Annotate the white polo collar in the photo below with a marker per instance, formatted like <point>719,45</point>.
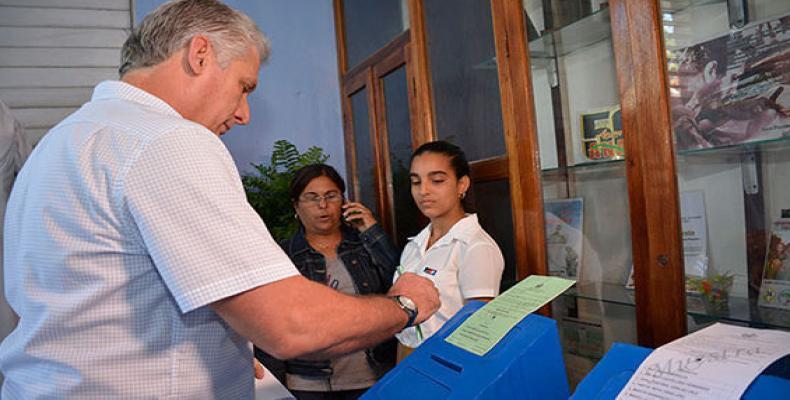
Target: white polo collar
<point>463,230</point>
<point>113,90</point>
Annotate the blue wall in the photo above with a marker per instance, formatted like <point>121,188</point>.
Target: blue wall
<point>298,94</point>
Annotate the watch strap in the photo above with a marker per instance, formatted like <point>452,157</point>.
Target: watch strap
<point>410,313</point>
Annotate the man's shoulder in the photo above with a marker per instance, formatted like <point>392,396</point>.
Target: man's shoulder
<point>139,119</point>
<point>126,108</point>
<point>126,131</point>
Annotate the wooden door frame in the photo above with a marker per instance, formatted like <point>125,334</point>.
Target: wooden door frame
<point>368,75</point>
<point>349,88</point>
<point>389,62</point>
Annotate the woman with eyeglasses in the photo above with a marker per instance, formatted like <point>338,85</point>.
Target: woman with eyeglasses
<point>344,247</point>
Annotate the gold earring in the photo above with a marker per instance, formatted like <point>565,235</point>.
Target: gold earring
<point>462,195</point>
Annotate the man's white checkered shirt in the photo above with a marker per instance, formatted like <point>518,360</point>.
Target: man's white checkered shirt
<point>125,222</point>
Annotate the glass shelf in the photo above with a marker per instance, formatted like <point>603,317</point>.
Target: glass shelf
<point>769,145</point>
<point>565,40</point>
<point>589,166</point>
<point>680,5</point>
<point>610,293</point>
<point>574,36</point>
<point>741,310</point>
<point>776,145</point>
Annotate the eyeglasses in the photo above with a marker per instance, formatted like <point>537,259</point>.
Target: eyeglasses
<point>315,200</point>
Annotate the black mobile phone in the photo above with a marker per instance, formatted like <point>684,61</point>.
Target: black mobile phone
<point>343,213</point>
<point>348,222</point>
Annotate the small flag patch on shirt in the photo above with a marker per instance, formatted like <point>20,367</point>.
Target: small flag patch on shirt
<point>429,271</point>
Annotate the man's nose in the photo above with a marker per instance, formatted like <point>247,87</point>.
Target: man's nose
<point>242,113</point>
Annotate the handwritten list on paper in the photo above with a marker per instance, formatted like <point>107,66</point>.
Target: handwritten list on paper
<point>488,325</point>
<point>718,362</point>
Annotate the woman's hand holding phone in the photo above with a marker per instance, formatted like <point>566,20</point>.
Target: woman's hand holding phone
<point>358,216</point>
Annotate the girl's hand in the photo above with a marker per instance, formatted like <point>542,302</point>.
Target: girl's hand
<point>259,371</point>
<point>358,216</point>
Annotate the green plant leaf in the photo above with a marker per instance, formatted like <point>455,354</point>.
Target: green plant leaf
<point>267,188</point>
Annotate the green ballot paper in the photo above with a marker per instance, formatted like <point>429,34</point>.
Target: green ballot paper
<point>486,327</point>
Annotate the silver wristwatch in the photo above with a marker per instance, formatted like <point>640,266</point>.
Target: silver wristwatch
<point>407,305</point>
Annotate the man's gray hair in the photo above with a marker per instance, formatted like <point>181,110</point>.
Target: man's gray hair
<point>171,27</point>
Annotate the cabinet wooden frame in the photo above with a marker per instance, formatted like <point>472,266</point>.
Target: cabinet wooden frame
<point>650,166</point>
<point>489,169</point>
<point>521,139</point>
<point>650,163</point>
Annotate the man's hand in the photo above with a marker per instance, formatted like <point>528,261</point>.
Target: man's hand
<point>421,291</point>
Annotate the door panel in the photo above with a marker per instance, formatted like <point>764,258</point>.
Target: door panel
<point>404,214</point>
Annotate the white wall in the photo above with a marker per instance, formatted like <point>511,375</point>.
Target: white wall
<point>52,53</point>
<point>298,96</point>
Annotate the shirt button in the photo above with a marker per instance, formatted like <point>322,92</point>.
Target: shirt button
<point>354,262</point>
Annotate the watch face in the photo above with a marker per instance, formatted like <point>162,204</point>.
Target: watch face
<point>407,302</point>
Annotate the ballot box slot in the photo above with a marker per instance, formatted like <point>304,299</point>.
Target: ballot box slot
<point>447,363</point>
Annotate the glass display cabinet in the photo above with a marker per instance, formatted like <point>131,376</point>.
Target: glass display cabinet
<point>728,77</point>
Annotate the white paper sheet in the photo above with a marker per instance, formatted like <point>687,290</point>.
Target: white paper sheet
<point>695,232</point>
<point>718,363</point>
<point>269,388</point>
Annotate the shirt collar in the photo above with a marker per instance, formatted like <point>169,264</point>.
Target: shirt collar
<point>462,231</point>
<point>112,90</point>
<point>299,243</point>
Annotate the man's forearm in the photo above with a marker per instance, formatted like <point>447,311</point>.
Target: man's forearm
<point>356,341</point>
<point>297,318</point>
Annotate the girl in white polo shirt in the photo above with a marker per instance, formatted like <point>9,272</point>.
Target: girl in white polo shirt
<point>453,250</point>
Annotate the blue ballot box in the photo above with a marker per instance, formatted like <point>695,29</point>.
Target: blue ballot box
<point>614,370</point>
<point>526,364</point>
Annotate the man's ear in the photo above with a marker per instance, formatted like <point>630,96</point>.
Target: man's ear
<point>198,54</point>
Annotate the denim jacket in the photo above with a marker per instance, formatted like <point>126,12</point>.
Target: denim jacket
<point>371,259</point>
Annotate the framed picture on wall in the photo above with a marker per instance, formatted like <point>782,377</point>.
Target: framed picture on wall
<point>775,288</point>
<point>602,134</point>
<point>564,236</point>
<point>732,89</point>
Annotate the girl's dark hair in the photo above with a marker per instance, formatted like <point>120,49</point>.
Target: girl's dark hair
<point>457,161</point>
<point>304,175</point>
